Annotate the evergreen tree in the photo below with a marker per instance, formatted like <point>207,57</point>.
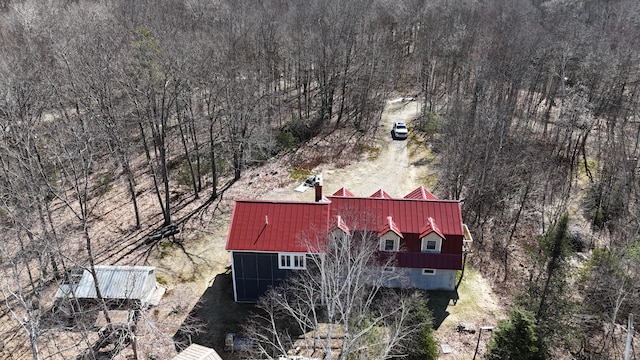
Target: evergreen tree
<point>549,289</point>
<point>517,338</point>
<point>425,346</point>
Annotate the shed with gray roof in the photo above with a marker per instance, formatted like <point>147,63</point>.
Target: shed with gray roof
<point>120,283</point>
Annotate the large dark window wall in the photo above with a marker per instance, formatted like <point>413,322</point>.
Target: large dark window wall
<point>255,273</point>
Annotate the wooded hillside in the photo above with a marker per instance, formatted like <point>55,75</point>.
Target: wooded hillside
<point>530,106</point>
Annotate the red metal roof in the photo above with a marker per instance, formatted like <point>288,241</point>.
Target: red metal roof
<point>381,194</point>
<point>340,224</point>
<point>409,215</point>
<point>421,194</point>
<point>278,226</point>
<point>390,226</point>
<point>343,192</point>
<point>430,227</point>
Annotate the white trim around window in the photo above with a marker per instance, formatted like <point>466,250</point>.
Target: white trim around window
<point>292,261</point>
<point>431,244</point>
<point>428,271</point>
<point>388,243</point>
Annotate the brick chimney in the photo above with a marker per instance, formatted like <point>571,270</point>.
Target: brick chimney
<point>318,188</point>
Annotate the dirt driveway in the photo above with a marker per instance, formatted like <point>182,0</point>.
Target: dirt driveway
<point>388,168</point>
<point>398,167</point>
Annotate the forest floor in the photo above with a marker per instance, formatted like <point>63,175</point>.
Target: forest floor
<point>398,167</point>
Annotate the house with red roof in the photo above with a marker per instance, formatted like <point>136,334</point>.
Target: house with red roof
<point>270,240</point>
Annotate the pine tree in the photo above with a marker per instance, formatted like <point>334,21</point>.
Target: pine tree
<point>517,338</point>
<point>425,347</point>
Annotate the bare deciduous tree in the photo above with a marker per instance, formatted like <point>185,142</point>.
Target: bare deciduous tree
<point>339,307</point>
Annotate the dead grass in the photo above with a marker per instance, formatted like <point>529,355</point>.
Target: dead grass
<point>476,305</point>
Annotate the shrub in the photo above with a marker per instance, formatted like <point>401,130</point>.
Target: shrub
<point>286,140</point>
<point>299,174</point>
<point>429,124</point>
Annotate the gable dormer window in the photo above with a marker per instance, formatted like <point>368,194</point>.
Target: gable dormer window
<point>432,243</point>
<point>389,236</point>
<point>389,243</point>
<point>431,237</point>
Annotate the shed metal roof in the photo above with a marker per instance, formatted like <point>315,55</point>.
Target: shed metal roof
<point>198,352</point>
<point>115,282</point>
<point>425,260</point>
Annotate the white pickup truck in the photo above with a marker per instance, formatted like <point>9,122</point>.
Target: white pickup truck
<point>399,131</point>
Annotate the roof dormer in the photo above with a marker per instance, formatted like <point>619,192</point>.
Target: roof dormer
<point>343,192</point>
<point>430,227</point>
<point>339,225</point>
<point>421,193</point>
<point>381,194</point>
<point>390,236</point>
<point>431,237</point>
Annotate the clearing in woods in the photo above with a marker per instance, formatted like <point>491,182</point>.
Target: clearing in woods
<point>398,167</point>
<point>194,267</point>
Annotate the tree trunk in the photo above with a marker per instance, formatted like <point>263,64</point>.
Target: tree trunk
<point>187,155</point>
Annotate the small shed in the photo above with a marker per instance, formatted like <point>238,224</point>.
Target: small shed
<point>116,283</point>
<point>198,352</point>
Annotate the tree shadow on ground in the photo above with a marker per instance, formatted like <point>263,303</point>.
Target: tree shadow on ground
<point>216,315</point>
<point>438,302</point>
<point>65,314</point>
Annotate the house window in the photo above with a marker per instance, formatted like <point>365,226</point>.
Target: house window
<point>389,245</point>
<point>428,271</point>
<point>431,245</point>
<point>292,261</point>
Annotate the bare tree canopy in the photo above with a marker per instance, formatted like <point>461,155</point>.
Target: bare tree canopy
<point>530,108</point>
<point>339,307</point>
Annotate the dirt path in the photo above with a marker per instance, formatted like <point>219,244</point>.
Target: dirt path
<point>390,170</point>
